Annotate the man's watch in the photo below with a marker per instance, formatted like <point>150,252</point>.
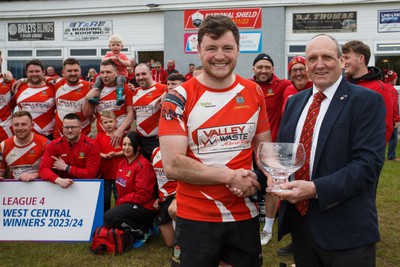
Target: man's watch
<point>68,168</point>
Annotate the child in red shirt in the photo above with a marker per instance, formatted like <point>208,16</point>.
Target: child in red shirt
<point>110,156</point>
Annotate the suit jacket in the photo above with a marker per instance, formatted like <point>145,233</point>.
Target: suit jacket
<point>348,160</point>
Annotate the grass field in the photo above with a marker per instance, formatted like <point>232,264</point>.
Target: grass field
<point>155,254</point>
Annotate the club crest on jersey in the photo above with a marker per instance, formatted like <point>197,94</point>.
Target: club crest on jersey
<point>128,174</point>
<point>270,91</point>
<point>32,151</point>
<point>81,155</point>
<point>44,92</point>
<point>239,99</point>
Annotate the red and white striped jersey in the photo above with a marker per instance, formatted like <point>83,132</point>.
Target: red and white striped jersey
<point>24,159</point>
<point>39,101</point>
<point>5,109</point>
<point>147,108</point>
<point>69,99</point>
<point>108,101</point>
<point>166,188</point>
<point>220,126</point>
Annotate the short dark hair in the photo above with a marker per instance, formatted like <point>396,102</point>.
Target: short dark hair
<point>199,67</point>
<point>71,61</point>
<point>21,113</point>
<point>109,63</point>
<point>359,48</point>
<point>191,64</point>
<point>176,77</point>
<point>35,62</point>
<point>136,140</point>
<point>215,26</point>
<point>72,116</point>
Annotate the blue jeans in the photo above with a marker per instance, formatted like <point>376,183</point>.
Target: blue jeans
<point>392,145</point>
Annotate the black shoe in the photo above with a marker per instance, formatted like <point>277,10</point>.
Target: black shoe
<point>285,251</point>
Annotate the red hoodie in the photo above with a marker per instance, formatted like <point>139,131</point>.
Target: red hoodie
<point>374,80</point>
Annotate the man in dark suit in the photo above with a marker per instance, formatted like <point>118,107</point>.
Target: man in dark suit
<point>340,225</point>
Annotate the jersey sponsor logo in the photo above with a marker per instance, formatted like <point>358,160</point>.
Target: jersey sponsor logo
<point>207,104</point>
<point>225,138</point>
<point>144,111</point>
<point>35,106</point>
<point>160,173</point>
<point>66,104</point>
<point>108,105</point>
<point>121,181</point>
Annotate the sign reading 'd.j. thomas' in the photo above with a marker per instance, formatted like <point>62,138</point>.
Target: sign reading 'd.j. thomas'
<point>31,31</point>
<point>42,211</point>
<point>325,22</point>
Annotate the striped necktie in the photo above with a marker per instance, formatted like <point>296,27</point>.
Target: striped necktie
<point>306,139</point>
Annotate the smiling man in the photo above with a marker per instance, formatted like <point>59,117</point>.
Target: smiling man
<point>108,101</point>
<point>74,155</point>
<point>147,108</point>
<point>70,95</point>
<point>209,128</point>
<point>37,98</point>
<point>330,203</point>
<point>355,58</point>
<point>21,154</point>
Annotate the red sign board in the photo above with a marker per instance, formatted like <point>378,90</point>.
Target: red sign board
<point>244,18</point>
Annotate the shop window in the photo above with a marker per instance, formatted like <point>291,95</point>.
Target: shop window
<point>391,62</point>
<point>297,49</point>
<point>388,47</point>
<point>17,67</point>
<point>19,53</point>
<point>83,52</point>
<point>49,53</point>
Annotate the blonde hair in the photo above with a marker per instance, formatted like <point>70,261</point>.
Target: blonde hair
<point>108,114</point>
<point>115,38</point>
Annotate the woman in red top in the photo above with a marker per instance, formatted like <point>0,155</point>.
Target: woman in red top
<point>135,184</point>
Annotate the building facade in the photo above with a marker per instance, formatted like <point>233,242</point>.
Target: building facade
<point>54,30</point>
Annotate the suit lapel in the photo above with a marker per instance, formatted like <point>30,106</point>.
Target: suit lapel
<point>338,101</point>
